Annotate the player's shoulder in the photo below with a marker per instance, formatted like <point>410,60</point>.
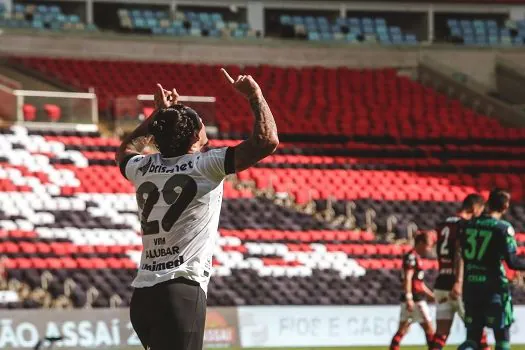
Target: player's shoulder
<point>453,220</point>
<point>506,227</point>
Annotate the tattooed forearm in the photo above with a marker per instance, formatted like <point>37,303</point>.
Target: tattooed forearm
<point>264,127</point>
<point>264,139</point>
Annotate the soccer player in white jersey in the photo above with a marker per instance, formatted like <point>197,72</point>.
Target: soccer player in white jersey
<point>179,195</point>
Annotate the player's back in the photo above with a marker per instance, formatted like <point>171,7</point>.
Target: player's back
<point>179,202</point>
<point>446,251</point>
<point>484,243</point>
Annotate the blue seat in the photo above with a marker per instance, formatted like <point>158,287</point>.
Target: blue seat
<point>478,23</point>
<point>216,17</point>
<point>367,21</point>
<point>368,29</point>
<point>395,30</point>
<point>195,24</point>
<point>152,22</point>
<point>170,31</point>
<point>56,26</point>
<point>469,40</point>
<point>481,40</point>
<point>384,39</point>
<point>517,41</point>
<point>204,17</point>
<point>340,21</point>
<point>244,26</point>
<point>326,36</point>
<point>38,24</point>
<point>55,9</point>
<point>148,14</point>
<point>382,30</point>
<point>310,20</point>
<point>158,30</point>
<point>493,39</point>
<point>42,9</point>
<point>161,14</point>
<point>321,20</point>
<point>411,39</point>
<point>357,30</point>
<point>214,33</point>
<point>139,23</point>
<point>285,19</point>
<point>380,22</point>
<point>314,36</point>
<point>311,27</point>
<point>135,13</point>
<point>351,37</point>
<point>20,8</point>
<point>176,24</point>
<point>397,39</point>
<point>492,23</point>
<point>456,32</point>
<point>239,33</point>
<point>466,23</point>
<point>468,31</point>
<point>323,27</point>
<point>192,16</point>
<point>297,20</point>
<point>354,22</point>
<point>73,19</point>
<point>452,22</point>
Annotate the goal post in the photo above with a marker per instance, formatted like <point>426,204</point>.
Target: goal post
<point>34,107</point>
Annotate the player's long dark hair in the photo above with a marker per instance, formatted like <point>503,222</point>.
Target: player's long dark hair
<point>175,129</point>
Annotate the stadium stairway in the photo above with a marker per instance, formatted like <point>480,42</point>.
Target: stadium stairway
<point>70,234</point>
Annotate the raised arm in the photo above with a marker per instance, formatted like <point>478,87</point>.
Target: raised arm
<point>128,148</point>
<point>264,139</point>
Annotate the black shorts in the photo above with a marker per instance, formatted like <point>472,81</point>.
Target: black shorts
<point>492,310</point>
<point>169,315</point>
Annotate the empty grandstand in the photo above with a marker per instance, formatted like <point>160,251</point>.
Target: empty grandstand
<point>384,123</point>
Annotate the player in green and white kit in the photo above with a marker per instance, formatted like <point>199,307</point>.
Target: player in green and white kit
<point>486,242</point>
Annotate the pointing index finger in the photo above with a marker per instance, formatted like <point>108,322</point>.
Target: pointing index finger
<point>227,76</point>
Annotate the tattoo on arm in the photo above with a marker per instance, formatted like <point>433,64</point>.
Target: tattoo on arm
<point>264,139</point>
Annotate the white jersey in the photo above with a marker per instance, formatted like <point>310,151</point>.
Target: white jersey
<point>179,202</point>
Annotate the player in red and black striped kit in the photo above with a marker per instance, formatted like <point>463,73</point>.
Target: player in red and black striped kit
<point>445,288</point>
<point>414,307</point>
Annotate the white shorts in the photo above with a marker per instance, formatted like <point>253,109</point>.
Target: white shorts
<point>420,314</point>
<point>447,307</point>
